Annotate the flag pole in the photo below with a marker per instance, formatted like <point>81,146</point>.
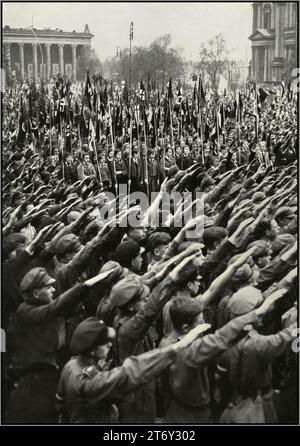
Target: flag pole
<point>50,127</point>
<point>130,154</point>
<point>171,124</point>
<point>218,135</point>
<point>146,160</point>
<point>201,134</point>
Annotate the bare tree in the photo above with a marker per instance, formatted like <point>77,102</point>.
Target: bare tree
<point>159,61</point>
<point>213,58</point>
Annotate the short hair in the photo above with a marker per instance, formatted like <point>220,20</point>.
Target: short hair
<point>214,234</point>
<point>184,310</point>
<point>11,242</point>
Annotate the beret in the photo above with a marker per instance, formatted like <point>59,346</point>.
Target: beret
<point>35,278</point>
<point>89,333</point>
<point>125,290</point>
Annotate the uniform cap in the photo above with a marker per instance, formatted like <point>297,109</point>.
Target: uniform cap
<point>111,265</point>
<point>35,278</point>
<point>281,241</point>
<point>68,243</point>
<point>244,300</point>
<point>158,239</point>
<point>262,248</point>
<point>126,290</point>
<point>283,212</point>
<point>258,196</point>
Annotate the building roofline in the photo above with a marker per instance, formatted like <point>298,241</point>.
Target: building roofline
<point>45,32</point>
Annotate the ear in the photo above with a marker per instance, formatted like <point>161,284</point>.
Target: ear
<point>35,293</point>
<point>185,328</point>
<point>188,285</point>
<point>156,251</point>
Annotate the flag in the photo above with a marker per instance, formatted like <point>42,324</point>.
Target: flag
<point>142,91</point>
<point>92,134</point>
<point>170,91</point>
<point>23,122</point>
<point>262,95</point>
<point>201,94</point>
<point>125,94</point>
<point>88,93</point>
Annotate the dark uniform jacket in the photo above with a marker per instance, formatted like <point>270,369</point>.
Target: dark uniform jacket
<point>105,172</point>
<point>188,377</point>
<point>85,170</point>
<point>86,394</point>
<point>248,368</point>
<point>133,337</point>
<point>38,328</point>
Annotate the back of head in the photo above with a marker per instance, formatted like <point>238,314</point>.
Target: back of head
<point>183,311</point>
<point>212,235</point>
<point>11,242</point>
<point>126,252</point>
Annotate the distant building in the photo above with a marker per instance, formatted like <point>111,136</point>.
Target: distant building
<point>238,74</point>
<point>274,40</point>
<point>35,53</point>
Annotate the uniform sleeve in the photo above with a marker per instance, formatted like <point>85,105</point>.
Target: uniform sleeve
<point>136,327</point>
<point>68,274</point>
<point>80,173</point>
<point>272,272</point>
<point>204,349</point>
<point>136,371</point>
<point>274,345</point>
<point>222,253</point>
<point>58,307</point>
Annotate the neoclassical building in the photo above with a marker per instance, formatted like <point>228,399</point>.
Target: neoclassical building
<point>274,40</point>
<point>34,53</point>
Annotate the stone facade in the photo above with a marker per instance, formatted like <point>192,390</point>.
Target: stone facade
<point>40,54</point>
<point>274,40</point>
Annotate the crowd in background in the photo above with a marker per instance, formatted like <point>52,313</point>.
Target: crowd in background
<point>109,323</point>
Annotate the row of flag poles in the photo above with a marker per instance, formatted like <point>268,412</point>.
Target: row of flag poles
<point>146,113</point>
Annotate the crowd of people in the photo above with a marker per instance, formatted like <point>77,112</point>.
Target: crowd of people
<point>111,323</point>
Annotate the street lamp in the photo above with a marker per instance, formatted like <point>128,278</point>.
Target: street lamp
<point>130,40</point>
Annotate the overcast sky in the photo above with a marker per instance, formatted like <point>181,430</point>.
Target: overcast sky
<point>188,23</point>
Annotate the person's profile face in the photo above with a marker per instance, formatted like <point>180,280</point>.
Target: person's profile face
<point>45,294</point>
<point>137,263</point>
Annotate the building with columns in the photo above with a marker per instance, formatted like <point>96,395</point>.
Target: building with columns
<point>274,40</point>
<point>40,54</point>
